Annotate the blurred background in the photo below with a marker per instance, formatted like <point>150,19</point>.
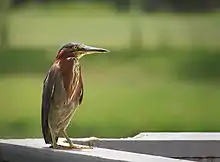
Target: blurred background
<point>163,72</point>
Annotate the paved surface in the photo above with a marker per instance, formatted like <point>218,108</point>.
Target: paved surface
<point>180,136</point>
<point>35,150</point>
<point>192,146</point>
<point>199,145</point>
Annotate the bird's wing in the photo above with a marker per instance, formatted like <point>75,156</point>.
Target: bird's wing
<point>48,90</point>
<point>82,90</point>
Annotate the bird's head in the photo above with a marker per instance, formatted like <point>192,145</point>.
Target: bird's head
<point>77,50</point>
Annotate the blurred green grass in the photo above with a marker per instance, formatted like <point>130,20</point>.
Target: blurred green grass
<point>37,26</point>
<point>121,98</point>
<point>172,85</point>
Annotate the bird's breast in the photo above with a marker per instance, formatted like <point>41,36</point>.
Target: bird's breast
<point>75,85</point>
<point>71,72</point>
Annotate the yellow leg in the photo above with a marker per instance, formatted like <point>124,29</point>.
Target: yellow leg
<point>54,143</point>
<point>72,145</point>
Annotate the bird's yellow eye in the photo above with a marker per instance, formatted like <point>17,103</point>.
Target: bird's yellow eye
<point>75,47</point>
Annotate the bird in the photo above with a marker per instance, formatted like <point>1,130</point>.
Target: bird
<point>63,93</point>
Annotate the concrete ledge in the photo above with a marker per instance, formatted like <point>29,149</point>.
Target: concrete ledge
<point>31,150</point>
<point>175,145</point>
<point>190,146</point>
<point>15,153</point>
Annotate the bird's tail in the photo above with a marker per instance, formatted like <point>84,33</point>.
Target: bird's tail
<point>46,134</point>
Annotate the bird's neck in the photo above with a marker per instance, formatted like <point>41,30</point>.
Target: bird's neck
<point>71,71</point>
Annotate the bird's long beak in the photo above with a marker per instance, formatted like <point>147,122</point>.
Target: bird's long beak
<point>90,50</point>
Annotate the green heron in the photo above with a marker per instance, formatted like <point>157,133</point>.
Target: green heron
<point>63,92</point>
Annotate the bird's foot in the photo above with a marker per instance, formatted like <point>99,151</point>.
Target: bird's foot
<point>58,147</point>
<point>73,146</point>
<point>87,141</point>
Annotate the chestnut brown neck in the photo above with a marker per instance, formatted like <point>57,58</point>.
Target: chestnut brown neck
<point>71,71</point>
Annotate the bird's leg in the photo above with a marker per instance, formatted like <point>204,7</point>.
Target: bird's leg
<point>54,143</point>
<point>72,145</point>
